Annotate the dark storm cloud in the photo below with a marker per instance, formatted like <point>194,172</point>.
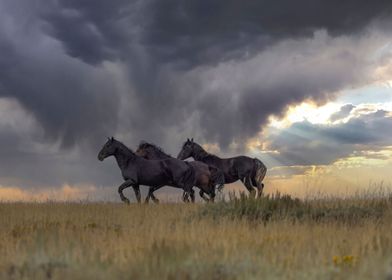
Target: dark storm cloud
<point>161,41</point>
<point>93,31</point>
<point>200,32</point>
<point>71,100</point>
<point>144,34</point>
<point>67,101</point>
<point>314,144</point>
<point>167,70</point>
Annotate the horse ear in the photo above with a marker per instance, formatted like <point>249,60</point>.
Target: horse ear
<point>112,138</point>
<point>192,140</point>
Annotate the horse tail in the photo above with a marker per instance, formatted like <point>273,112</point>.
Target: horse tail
<point>217,177</point>
<point>259,173</point>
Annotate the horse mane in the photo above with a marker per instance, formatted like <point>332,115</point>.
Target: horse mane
<point>144,145</point>
<point>201,151</point>
<point>125,146</point>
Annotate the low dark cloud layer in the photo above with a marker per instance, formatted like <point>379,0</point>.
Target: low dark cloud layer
<point>194,32</point>
<point>167,70</point>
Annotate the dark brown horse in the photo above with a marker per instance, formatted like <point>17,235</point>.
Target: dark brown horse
<point>207,177</point>
<point>250,171</point>
<point>153,173</point>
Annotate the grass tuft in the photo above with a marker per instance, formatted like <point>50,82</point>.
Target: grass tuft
<point>279,207</point>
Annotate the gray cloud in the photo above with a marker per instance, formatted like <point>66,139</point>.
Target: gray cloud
<point>195,32</point>
<point>164,43</point>
<point>151,39</point>
<point>342,113</point>
<point>70,99</point>
<point>164,71</point>
<point>314,144</point>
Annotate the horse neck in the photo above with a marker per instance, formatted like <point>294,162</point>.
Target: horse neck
<point>123,155</point>
<point>200,154</point>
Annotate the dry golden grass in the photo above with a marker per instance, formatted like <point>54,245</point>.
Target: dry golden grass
<point>178,241</point>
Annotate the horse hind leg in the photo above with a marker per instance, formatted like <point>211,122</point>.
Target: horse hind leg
<point>258,186</point>
<point>192,195</point>
<point>187,195</point>
<point>154,198</point>
<point>212,193</point>
<point>202,195</point>
<point>151,195</point>
<point>247,182</point>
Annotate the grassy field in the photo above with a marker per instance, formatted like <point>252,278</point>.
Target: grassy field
<point>272,238</point>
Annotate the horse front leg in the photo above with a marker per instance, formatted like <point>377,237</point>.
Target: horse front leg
<point>185,197</point>
<point>188,193</point>
<point>151,194</point>
<point>136,189</point>
<point>123,186</point>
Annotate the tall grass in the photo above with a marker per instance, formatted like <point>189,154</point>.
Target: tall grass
<point>271,238</point>
<point>279,207</point>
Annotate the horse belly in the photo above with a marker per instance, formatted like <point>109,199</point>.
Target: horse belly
<point>152,175</point>
<point>230,178</point>
<point>157,180</point>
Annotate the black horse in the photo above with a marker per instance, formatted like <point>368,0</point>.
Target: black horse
<point>250,171</point>
<point>207,177</point>
<point>154,173</point>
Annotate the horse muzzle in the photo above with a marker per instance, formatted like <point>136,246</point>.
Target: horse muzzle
<point>101,157</point>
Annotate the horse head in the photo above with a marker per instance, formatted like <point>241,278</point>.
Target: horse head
<point>108,149</point>
<point>187,149</point>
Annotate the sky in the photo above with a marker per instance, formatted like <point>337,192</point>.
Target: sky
<point>303,85</point>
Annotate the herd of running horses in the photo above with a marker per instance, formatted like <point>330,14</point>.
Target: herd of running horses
<point>151,166</point>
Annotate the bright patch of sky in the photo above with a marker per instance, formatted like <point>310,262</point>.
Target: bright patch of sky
<point>377,93</point>
<point>371,98</point>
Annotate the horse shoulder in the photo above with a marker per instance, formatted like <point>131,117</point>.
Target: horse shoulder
<point>130,173</point>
